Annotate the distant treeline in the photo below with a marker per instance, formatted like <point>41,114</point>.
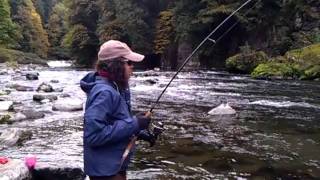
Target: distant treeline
<point>76,28</point>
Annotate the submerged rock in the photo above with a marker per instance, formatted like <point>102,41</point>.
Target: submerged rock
<point>222,109</point>
<point>40,97</point>
<point>20,87</point>
<point>27,114</point>
<point>152,81</point>
<point>68,104</point>
<point>54,81</point>
<point>9,137</point>
<point>5,92</point>
<point>14,170</point>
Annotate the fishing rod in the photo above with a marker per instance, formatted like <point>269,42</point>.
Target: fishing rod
<point>198,47</point>
<point>158,127</point>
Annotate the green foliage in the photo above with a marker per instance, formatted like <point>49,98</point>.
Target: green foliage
<point>185,13</point>
<point>125,20</point>
<point>8,30</point>
<point>307,60</point>
<point>246,62</point>
<point>57,28</point>
<point>164,31</point>
<point>274,69</point>
<point>303,63</point>
<point>81,38</point>
<point>44,8</point>
<point>83,45</point>
<point>34,37</point>
<point>13,56</point>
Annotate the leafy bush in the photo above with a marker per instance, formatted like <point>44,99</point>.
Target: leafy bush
<point>246,62</point>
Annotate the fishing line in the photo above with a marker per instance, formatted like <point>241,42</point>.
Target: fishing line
<point>202,42</point>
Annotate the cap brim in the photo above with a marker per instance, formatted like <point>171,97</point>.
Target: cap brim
<point>134,57</point>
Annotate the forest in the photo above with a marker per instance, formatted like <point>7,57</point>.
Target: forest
<point>267,39</point>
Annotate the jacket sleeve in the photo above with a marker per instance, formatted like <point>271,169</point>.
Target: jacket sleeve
<point>97,131</point>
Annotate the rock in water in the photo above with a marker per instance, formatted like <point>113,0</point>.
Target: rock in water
<point>14,170</point>
<point>44,87</point>
<point>68,104</point>
<point>222,109</point>
<point>10,137</point>
<point>32,76</point>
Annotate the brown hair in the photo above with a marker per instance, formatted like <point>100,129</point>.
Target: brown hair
<point>114,70</point>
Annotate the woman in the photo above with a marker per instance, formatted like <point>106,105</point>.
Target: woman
<point>108,124</point>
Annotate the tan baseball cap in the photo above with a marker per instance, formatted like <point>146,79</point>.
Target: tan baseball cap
<point>115,49</point>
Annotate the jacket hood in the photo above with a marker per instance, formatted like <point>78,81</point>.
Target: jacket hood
<point>88,82</point>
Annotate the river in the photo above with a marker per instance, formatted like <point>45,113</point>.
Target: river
<point>275,133</point>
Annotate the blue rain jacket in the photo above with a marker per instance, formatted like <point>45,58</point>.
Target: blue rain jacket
<point>108,126</point>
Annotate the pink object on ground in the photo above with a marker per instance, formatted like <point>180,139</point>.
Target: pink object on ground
<point>3,160</point>
<point>30,161</point>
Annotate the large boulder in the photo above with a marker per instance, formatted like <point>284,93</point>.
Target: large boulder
<point>68,104</point>
<point>14,170</point>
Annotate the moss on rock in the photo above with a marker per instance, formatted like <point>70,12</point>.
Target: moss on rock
<point>5,119</point>
<point>275,70</point>
<point>246,62</point>
<point>301,63</point>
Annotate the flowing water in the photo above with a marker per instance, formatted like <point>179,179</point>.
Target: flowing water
<point>275,133</point>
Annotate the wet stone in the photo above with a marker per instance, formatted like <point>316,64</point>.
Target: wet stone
<point>58,90</point>
<point>44,87</point>
<point>152,81</point>
<point>14,170</point>
<point>20,87</point>
<point>40,97</point>
<point>9,137</point>
<point>58,173</point>
<point>54,81</point>
<point>5,118</point>
<point>32,76</point>
<point>28,114</point>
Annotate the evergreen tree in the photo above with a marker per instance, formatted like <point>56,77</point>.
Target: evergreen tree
<point>81,38</point>
<point>164,31</point>
<point>125,20</point>
<point>57,26</point>
<point>34,37</point>
<point>8,30</point>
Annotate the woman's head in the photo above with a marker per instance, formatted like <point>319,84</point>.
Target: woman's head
<point>115,62</point>
<point>118,70</point>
